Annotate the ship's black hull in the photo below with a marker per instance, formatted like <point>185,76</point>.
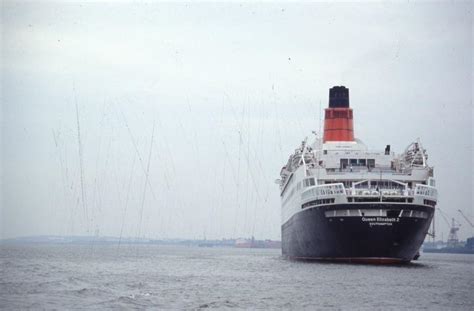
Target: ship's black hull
<point>310,235</point>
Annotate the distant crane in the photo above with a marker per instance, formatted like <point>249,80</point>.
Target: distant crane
<point>454,228</point>
<point>467,220</point>
<point>453,236</point>
<point>465,217</point>
<point>444,216</point>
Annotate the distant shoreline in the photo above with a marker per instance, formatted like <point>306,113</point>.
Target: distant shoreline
<point>110,240</point>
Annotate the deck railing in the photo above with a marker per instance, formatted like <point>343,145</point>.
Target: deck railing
<point>379,192</point>
<point>323,191</point>
<point>426,191</point>
<point>332,190</point>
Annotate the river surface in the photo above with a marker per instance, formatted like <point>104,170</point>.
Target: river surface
<point>165,277</point>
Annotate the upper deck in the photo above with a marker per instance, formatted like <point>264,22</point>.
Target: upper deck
<point>352,161</point>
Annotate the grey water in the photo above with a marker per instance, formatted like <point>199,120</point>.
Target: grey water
<point>178,277</point>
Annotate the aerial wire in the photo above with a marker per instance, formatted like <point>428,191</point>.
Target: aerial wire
<point>81,164</point>
<point>136,150</point>
<point>127,200</point>
<point>146,179</point>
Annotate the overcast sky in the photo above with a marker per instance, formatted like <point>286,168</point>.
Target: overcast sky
<point>210,99</point>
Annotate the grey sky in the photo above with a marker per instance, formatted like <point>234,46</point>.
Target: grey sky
<point>230,90</point>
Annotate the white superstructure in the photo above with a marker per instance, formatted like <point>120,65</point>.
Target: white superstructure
<point>349,173</point>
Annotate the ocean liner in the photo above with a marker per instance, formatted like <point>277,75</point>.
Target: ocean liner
<point>342,201</point>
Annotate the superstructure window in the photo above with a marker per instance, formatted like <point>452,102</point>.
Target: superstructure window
<point>371,163</point>
<point>309,182</point>
<point>367,199</point>
<point>429,202</point>
<point>344,163</point>
<point>318,202</point>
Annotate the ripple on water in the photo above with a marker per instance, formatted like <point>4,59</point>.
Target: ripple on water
<point>158,277</point>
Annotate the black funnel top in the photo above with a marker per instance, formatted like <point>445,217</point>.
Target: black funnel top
<point>338,97</point>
